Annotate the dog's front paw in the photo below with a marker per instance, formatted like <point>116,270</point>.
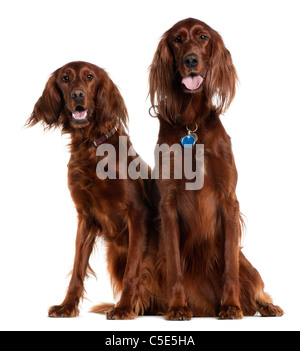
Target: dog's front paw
<point>179,314</point>
<point>230,312</point>
<point>63,311</point>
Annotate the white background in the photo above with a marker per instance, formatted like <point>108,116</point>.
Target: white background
<point>37,216</point>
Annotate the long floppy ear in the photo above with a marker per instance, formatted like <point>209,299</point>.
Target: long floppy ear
<point>49,106</point>
<point>110,104</point>
<point>162,84</point>
<point>221,77</point>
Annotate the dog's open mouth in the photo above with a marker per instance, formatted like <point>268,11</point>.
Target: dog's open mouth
<point>80,115</point>
<point>192,82</point>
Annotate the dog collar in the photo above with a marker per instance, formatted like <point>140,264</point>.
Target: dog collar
<point>105,137</point>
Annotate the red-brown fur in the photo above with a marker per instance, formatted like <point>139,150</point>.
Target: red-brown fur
<point>200,269</point>
<point>117,210</point>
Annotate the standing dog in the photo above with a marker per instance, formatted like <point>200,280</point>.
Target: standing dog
<point>200,269</point>
<point>81,98</point>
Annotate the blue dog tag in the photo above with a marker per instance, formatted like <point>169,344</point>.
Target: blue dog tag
<point>189,140</point>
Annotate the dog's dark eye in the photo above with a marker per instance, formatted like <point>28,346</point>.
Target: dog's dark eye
<point>90,77</point>
<point>178,39</point>
<point>66,79</point>
<point>203,37</point>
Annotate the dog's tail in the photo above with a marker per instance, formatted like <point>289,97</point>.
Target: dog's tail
<point>103,308</point>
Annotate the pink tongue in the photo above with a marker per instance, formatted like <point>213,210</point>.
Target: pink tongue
<point>192,83</point>
<point>79,114</point>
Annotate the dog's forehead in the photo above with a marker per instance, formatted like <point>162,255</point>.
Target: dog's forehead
<point>190,25</point>
<point>77,67</point>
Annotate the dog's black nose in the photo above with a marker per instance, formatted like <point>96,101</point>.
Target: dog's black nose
<point>77,95</point>
<point>191,61</point>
